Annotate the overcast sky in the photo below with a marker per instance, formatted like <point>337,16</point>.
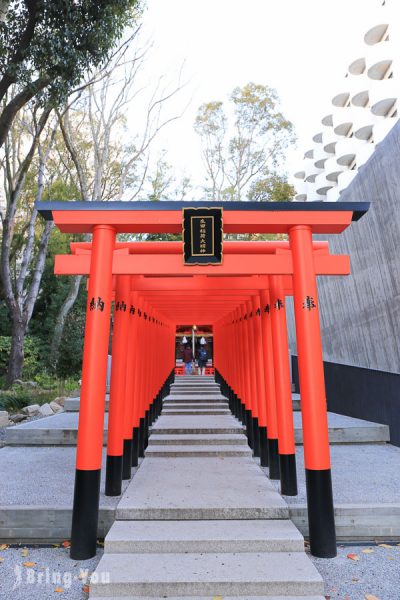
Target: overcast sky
<point>301,48</point>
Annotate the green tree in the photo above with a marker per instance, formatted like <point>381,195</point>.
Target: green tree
<point>246,148</point>
<point>46,46</point>
<point>274,188</point>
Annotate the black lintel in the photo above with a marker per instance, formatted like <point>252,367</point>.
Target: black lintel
<point>46,208</point>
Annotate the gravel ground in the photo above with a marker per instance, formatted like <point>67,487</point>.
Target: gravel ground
<point>44,476</point>
<point>376,573</point>
<point>52,575</point>
<point>357,475</point>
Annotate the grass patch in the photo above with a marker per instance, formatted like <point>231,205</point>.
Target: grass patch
<point>46,390</point>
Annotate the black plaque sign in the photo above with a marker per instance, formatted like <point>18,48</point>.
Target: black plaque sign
<point>202,236</point>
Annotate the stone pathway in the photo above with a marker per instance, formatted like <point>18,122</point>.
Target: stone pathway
<point>200,519</point>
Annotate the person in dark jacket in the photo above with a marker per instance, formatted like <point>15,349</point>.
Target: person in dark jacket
<point>187,356</point>
<point>202,360</point>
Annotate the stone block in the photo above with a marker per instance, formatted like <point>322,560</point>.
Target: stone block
<point>32,410</point>
<point>60,400</point>
<point>45,410</point>
<point>18,418</point>
<point>4,418</point>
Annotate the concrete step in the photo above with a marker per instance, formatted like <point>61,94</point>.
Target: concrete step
<point>203,536</point>
<point>61,429</point>
<point>194,379</point>
<point>197,424</point>
<point>201,488</point>
<point>183,398</point>
<point>199,382</point>
<point>200,388</point>
<point>72,404</point>
<point>247,597</point>
<point>195,391</point>
<point>164,574</point>
<point>36,502</point>
<point>182,451</point>
<point>196,411</point>
<point>189,404</point>
<point>201,440</point>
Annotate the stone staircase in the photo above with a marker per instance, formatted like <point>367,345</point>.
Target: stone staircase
<point>200,519</point>
<point>199,398</point>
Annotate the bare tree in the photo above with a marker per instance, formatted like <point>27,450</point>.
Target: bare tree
<point>32,133</point>
<point>210,124</point>
<point>246,149</point>
<point>94,129</point>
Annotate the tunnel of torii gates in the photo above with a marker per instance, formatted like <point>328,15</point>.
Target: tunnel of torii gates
<point>244,300</point>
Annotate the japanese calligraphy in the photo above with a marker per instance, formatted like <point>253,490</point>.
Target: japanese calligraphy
<point>309,303</point>
<point>96,304</point>
<point>120,306</point>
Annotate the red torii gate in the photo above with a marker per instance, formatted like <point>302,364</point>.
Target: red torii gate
<point>259,389</point>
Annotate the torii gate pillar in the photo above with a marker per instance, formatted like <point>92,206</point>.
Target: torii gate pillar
<point>313,401</point>
<point>93,392</point>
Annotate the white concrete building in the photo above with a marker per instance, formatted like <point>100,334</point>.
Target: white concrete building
<point>363,111</point>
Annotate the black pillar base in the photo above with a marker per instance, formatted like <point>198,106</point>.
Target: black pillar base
<point>287,463</point>
<point>321,516</point>
<point>273,457</point>
<point>146,429</point>
<point>243,413</point>
<point>113,476</point>
<point>135,446</point>
<point>249,428</point>
<point>256,437</point>
<point>141,438</point>
<point>85,514</point>
<point>263,447</point>
<point>127,459</point>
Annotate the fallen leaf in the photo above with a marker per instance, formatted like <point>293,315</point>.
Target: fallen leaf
<point>86,589</point>
<point>3,546</point>
<point>59,590</point>
<point>353,556</point>
<point>25,552</point>
<point>384,546</point>
<point>1,559</point>
<point>355,579</point>
<point>29,564</point>
<point>66,544</point>
<point>371,597</point>
<point>368,551</point>
<point>391,558</point>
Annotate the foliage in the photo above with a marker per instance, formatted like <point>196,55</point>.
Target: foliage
<point>71,347</point>
<point>18,396</point>
<point>243,154</point>
<point>31,356</point>
<point>47,45</point>
<point>52,295</point>
<point>271,189</point>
